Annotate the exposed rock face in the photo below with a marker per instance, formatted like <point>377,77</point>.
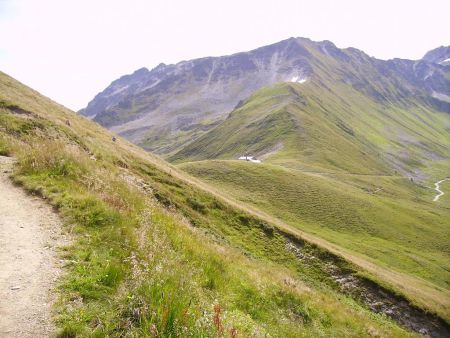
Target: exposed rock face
<point>166,107</point>
<point>438,55</point>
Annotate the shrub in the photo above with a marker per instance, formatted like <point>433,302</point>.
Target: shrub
<point>196,205</point>
<point>163,199</point>
<point>267,228</point>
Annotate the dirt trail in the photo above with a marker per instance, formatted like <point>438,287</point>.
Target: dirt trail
<point>29,233</point>
<point>439,191</point>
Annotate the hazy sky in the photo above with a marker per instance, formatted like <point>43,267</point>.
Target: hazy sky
<point>71,50</point>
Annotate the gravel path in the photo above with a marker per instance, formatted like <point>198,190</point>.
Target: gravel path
<point>29,233</point>
<point>437,188</point>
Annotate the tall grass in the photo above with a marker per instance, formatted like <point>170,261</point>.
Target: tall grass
<point>4,147</point>
<point>135,270</point>
<point>166,259</point>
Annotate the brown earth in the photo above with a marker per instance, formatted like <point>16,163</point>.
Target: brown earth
<point>30,232</point>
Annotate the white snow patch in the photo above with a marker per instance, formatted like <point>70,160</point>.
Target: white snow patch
<point>428,75</point>
<point>445,61</point>
<point>298,79</point>
<point>250,159</point>
<point>441,96</point>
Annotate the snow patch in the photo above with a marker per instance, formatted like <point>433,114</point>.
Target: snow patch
<point>250,159</point>
<point>441,96</point>
<point>445,61</point>
<point>298,79</point>
<point>430,73</point>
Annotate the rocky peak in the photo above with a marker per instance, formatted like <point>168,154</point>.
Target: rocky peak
<point>440,55</point>
<point>154,104</point>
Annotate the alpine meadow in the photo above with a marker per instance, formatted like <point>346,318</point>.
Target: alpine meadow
<point>297,189</point>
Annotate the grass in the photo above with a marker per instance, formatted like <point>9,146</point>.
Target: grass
<point>4,148</point>
<point>345,167</point>
<point>445,187</point>
<point>156,255</point>
<point>346,212</point>
<point>351,216</point>
<point>168,284</point>
<point>166,140</point>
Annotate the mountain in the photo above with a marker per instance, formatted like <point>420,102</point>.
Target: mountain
<point>351,156</point>
<point>167,107</point>
<point>156,252</point>
<point>341,165</point>
<point>440,55</point>
<point>327,129</point>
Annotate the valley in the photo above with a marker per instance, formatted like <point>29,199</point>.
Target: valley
<point>295,190</point>
<point>156,250</point>
<point>347,147</point>
<point>351,213</point>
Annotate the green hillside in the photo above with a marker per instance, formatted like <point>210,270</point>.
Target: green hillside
<point>387,219</point>
<point>345,167</point>
<point>153,253</point>
<point>310,127</point>
<point>158,253</point>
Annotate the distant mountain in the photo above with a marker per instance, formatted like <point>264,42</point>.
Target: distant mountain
<point>312,127</point>
<point>171,105</point>
<point>439,55</point>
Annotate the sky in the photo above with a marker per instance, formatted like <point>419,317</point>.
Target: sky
<point>71,50</point>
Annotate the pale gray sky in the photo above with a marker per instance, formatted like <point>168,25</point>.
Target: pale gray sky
<point>71,50</point>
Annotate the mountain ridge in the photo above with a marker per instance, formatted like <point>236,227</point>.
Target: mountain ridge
<point>150,107</point>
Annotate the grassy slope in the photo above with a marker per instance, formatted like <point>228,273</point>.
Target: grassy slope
<point>345,141</point>
<point>398,227</point>
<point>137,266</point>
<point>318,131</point>
<point>167,141</point>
